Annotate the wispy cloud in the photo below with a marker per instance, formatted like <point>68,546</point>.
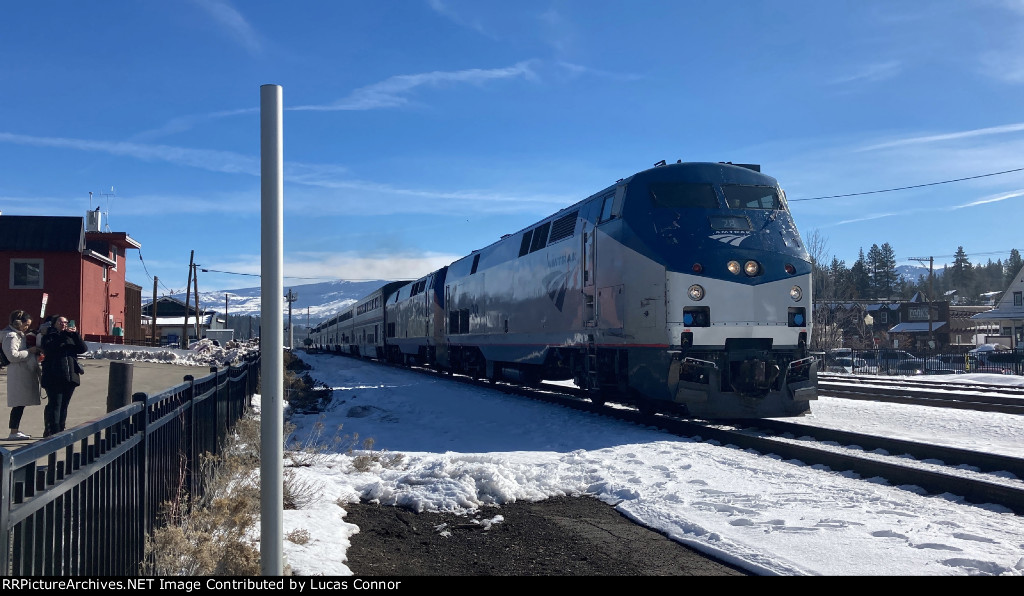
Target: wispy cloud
<point>445,9</point>
<point>389,93</point>
<point>394,92</point>
<point>339,265</point>
<point>987,200</point>
<point>953,136</point>
<point>321,176</point>
<point>976,203</point>
<point>237,27</point>
<point>206,159</point>
<point>1006,62</point>
<point>586,70</point>
<point>870,74</point>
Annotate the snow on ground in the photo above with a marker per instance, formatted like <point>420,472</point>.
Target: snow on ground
<point>469,449</point>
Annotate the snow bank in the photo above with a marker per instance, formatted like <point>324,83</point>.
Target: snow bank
<point>201,353</point>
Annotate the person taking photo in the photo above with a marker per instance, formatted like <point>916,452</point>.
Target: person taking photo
<point>61,372</point>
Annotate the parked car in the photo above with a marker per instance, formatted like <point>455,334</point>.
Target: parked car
<point>922,366</point>
<point>845,364</point>
<point>886,359</point>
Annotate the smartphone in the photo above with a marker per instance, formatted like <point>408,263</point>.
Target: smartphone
<point>71,323</point>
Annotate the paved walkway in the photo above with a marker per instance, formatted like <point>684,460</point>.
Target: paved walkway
<point>89,401</point>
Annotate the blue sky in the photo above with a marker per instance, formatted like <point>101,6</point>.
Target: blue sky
<point>416,131</point>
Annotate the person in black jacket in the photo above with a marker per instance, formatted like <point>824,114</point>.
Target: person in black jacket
<point>61,346</point>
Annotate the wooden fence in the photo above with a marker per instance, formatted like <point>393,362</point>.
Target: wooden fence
<point>82,502</point>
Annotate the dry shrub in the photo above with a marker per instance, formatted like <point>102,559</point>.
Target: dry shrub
<point>299,536</point>
<point>214,535</point>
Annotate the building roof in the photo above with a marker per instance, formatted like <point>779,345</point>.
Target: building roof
<point>1006,310</point>
<point>120,239</point>
<point>41,233</point>
<point>916,327</point>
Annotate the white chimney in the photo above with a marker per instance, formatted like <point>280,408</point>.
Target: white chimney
<point>92,221</point>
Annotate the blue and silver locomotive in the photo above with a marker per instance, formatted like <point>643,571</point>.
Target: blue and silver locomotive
<point>685,287</point>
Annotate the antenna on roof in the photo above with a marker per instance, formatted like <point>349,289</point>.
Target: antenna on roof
<point>106,214</point>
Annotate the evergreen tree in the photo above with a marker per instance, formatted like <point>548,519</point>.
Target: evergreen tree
<point>888,281</point>
<point>860,278</point>
<point>1012,268</point>
<point>961,275</point>
<point>874,266</point>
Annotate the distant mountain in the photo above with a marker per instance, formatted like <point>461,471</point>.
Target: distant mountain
<point>320,300</point>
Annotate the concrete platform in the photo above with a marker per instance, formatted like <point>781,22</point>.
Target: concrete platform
<point>89,401</point>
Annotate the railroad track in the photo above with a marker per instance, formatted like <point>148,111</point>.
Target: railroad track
<point>966,396</point>
<point>982,488</point>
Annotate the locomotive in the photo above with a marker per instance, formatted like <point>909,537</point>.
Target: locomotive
<point>683,288</point>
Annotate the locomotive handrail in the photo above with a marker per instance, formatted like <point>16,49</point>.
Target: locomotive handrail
<point>699,361</point>
<point>795,362</point>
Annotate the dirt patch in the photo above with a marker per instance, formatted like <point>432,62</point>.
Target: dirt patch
<point>559,536</point>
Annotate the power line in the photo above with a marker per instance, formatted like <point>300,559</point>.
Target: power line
<point>871,192</point>
<point>320,278</point>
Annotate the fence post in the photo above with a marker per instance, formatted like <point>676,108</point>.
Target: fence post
<point>142,461</point>
<point>191,460</point>
<point>119,385</point>
<point>6,500</point>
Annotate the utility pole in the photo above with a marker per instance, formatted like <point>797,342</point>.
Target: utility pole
<point>226,325</point>
<point>153,313</point>
<point>291,297</point>
<point>931,295</point>
<point>188,285</point>
<point>199,312</point>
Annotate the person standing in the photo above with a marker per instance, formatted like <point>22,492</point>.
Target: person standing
<point>61,346</point>
<point>22,372</point>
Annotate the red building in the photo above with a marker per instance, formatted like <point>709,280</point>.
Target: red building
<point>79,269</point>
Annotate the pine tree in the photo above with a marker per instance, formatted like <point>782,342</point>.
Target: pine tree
<point>1013,266</point>
<point>961,275</point>
<point>860,278</point>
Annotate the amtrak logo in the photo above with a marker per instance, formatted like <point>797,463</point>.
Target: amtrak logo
<point>733,239</point>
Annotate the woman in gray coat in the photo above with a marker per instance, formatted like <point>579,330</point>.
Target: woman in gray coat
<point>23,371</point>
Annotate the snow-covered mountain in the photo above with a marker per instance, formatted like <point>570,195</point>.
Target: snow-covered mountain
<point>320,300</point>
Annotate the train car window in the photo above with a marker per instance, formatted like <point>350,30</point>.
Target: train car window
<point>679,195</point>
<point>730,222</point>
<point>740,196</point>
<point>563,227</point>
<point>606,209</point>
<point>540,236</point>
<point>524,248</point>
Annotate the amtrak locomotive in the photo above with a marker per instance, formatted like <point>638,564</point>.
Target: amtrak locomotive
<point>684,288</point>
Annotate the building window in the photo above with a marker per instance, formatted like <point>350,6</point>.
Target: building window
<point>1018,298</point>
<point>883,316</point>
<point>26,274</point>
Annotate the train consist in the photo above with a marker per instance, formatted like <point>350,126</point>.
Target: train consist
<point>683,288</point>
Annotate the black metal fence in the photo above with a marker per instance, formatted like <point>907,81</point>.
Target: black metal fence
<point>81,503</point>
<point>887,361</point>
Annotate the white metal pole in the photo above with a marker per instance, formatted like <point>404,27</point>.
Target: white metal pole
<point>272,340</point>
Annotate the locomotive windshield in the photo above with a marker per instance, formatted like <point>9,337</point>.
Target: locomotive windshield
<point>740,196</point>
<point>675,195</point>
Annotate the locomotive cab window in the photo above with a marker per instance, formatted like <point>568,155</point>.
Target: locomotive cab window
<point>606,209</point>
<point>751,197</point>
<point>524,248</point>
<point>677,195</point>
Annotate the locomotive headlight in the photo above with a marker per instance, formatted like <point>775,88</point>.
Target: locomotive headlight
<point>696,293</point>
<point>751,268</point>
<point>796,293</point>
<point>734,267</point>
